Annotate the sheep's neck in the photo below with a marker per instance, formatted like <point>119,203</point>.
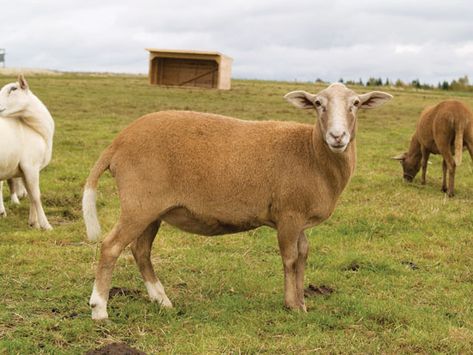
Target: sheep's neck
<point>338,167</point>
<point>414,154</point>
<point>38,118</point>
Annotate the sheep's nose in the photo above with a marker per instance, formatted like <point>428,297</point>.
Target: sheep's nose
<point>337,136</point>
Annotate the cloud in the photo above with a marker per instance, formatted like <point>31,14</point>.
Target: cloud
<point>268,39</point>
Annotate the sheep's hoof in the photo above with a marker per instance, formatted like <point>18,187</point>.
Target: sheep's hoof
<point>47,227</point>
<point>34,225</point>
<point>99,316</point>
<point>22,194</point>
<point>166,303</point>
<point>15,200</point>
<point>296,307</point>
<point>444,189</point>
<point>450,194</point>
<point>3,214</point>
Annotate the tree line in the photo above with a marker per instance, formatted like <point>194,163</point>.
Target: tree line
<point>460,84</point>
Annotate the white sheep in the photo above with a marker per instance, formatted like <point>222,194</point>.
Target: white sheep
<point>212,175</point>
<point>26,142</point>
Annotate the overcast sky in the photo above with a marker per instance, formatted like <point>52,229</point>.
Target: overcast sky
<point>268,39</point>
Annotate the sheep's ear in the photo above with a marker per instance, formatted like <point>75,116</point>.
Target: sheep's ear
<point>22,81</point>
<point>374,99</point>
<point>300,99</point>
<point>401,156</point>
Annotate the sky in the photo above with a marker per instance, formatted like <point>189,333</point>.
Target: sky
<point>298,40</point>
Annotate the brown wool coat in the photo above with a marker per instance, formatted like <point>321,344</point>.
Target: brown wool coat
<point>216,175</point>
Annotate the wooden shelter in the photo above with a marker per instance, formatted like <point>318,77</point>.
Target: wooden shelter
<point>190,68</point>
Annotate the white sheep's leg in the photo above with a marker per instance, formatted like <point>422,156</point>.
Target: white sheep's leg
<point>141,249</point>
<point>123,233</point>
<point>13,192</point>
<point>3,212</point>
<point>37,216</point>
<point>19,187</point>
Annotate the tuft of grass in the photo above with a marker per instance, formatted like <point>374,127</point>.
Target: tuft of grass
<point>398,256</point>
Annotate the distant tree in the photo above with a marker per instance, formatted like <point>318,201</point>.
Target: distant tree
<point>416,84</point>
<point>319,81</point>
<point>340,80</point>
<point>399,83</point>
<point>445,85</point>
<point>360,82</point>
<point>387,82</point>
<point>374,82</point>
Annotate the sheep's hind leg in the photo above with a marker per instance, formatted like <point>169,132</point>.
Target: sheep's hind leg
<point>141,249</point>
<point>3,212</point>
<point>444,176</point>
<point>122,234</point>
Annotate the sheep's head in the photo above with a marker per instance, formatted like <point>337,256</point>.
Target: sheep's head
<point>14,98</point>
<point>336,107</point>
<point>410,166</point>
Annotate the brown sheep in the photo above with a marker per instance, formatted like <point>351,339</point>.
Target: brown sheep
<point>212,175</point>
<point>443,129</point>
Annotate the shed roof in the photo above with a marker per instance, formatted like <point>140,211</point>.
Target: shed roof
<point>184,51</point>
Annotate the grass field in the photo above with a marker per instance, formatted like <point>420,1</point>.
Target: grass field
<point>399,257</point>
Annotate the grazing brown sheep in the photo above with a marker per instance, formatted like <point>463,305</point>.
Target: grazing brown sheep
<point>443,129</point>
<point>212,175</point>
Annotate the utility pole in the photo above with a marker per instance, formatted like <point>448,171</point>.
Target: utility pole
<point>2,56</point>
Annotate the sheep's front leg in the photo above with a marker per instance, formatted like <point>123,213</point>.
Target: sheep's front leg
<point>288,238</point>
<point>3,212</point>
<point>303,252</point>
<point>17,190</point>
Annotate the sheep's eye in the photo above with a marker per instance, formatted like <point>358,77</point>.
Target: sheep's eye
<point>356,103</point>
<point>13,88</point>
<point>317,103</point>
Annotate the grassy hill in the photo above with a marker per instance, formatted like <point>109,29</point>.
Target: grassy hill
<point>398,257</point>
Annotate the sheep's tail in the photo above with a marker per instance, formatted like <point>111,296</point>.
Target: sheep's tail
<point>458,144</point>
<point>89,209</point>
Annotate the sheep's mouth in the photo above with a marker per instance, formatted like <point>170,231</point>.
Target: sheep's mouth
<point>337,148</point>
<point>408,178</point>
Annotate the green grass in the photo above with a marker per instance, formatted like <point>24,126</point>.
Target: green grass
<point>398,256</point>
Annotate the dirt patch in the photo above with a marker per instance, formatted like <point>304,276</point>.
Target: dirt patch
<point>123,291</point>
<point>410,264</point>
<point>321,290</point>
<point>115,349</point>
<point>353,266</point>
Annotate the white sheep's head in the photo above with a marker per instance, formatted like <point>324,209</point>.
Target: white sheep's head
<point>336,107</point>
<point>14,98</point>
